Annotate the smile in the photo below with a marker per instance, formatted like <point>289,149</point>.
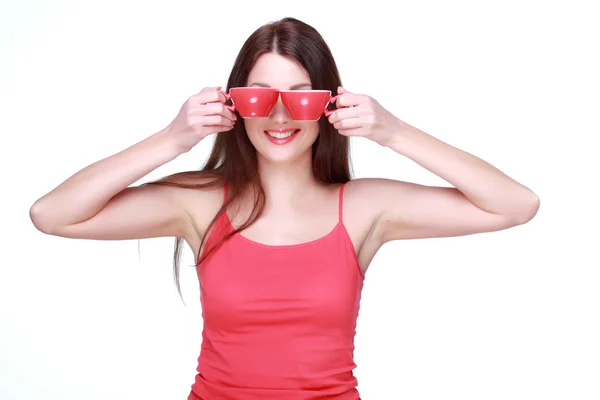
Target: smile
<point>281,136</point>
<point>281,133</point>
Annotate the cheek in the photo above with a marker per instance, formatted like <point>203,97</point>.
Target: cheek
<point>311,128</point>
<point>253,130</point>
<point>252,126</point>
<point>314,132</point>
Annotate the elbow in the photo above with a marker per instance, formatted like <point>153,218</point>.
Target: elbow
<point>39,219</point>
<point>529,210</point>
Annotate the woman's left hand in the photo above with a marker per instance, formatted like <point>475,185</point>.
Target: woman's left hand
<point>365,117</point>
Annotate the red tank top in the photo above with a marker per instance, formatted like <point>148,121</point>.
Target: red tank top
<point>279,321</point>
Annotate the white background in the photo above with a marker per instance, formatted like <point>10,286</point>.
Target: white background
<point>506,315</point>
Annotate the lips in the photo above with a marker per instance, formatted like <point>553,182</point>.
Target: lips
<point>281,130</point>
<point>281,135</point>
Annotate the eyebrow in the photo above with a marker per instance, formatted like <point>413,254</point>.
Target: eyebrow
<point>295,87</point>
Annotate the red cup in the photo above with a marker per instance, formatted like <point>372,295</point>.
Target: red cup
<point>307,105</point>
<point>252,102</point>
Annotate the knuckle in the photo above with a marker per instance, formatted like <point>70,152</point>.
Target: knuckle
<point>188,121</point>
<point>201,121</point>
<point>209,108</point>
<point>187,104</point>
<point>207,97</point>
<point>212,108</point>
<point>215,96</point>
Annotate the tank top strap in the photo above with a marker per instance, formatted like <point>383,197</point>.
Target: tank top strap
<point>341,202</point>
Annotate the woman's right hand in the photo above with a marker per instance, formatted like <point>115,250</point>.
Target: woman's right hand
<point>201,115</point>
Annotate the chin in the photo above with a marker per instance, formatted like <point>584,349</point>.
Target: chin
<point>281,157</point>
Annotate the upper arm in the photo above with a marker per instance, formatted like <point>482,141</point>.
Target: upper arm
<point>408,210</point>
<point>139,212</point>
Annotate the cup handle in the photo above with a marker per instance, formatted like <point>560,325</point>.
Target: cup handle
<point>227,97</point>
<point>332,100</point>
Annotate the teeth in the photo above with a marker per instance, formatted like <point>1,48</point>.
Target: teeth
<point>280,135</point>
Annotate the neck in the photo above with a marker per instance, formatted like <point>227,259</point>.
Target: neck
<point>286,182</point>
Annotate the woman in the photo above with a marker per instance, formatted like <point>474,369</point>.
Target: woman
<point>282,235</point>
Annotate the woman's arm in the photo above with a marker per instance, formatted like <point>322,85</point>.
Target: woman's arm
<point>97,202</point>
<point>483,198</point>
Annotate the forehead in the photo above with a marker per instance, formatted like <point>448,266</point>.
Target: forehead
<point>278,71</point>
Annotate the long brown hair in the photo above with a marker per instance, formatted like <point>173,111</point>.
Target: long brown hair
<point>233,158</point>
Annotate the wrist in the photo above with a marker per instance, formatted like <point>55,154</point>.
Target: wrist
<point>164,144</point>
<point>399,133</point>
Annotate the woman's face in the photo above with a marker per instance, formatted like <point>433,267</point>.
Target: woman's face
<point>279,138</point>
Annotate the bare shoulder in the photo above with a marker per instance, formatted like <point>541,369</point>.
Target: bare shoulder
<point>368,194</point>
<point>363,196</point>
<point>361,193</point>
<point>375,184</point>
<point>200,203</point>
<point>360,214</point>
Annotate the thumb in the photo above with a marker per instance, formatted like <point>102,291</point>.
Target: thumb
<point>341,90</point>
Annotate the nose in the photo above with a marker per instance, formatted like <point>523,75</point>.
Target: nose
<point>279,114</point>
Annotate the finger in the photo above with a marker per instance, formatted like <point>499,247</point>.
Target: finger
<point>351,132</point>
<point>349,123</point>
<point>217,109</point>
<point>217,128</point>
<point>210,89</point>
<point>209,130</point>
<point>348,100</point>
<point>210,124</point>
<point>343,113</point>
<point>210,95</point>
<point>211,120</point>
